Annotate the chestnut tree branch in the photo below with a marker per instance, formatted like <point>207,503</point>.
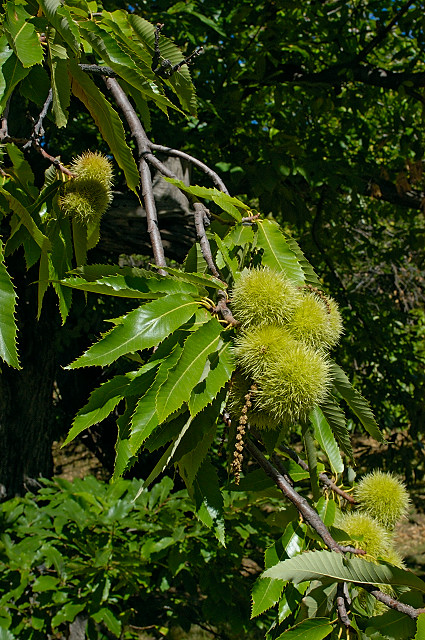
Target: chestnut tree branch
<point>323,478</point>
<point>215,178</point>
<point>141,140</point>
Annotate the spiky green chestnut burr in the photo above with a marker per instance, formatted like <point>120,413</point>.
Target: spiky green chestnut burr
<point>364,532</point>
<point>92,165</point>
<point>262,297</point>
<point>87,196</point>
<point>316,321</point>
<point>256,347</point>
<point>382,496</point>
<point>237,398</point>
<point>295,380</point>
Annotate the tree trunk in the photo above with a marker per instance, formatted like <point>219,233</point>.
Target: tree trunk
<point>26,395</point>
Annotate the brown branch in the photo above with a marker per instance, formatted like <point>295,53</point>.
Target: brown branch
<point>381,35</point>
<point>308,513</point>
<point>164,68</point>
<point>312,518</point>
<point>342,602</point>
<point>392,603</point>
<point>203,240</point>
<point>224,310</point>
<point>53,160</point>
<point>141,140</point>
<point>4,131</point>
<point>99,70</point>
<point>197,163</point>
<point>38,131</point>
<point>324,479</point>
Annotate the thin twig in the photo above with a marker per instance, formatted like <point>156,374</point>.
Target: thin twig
<point>392,603</point>
<point>197,163</point>
<point>224,310</point>
<point>4,131</point>
<point>141,139</point>
<point>203,240</point>
<point>53,160</point>
<point>324,479</point>
<point>99,70</point>
<point>341,604</point>
<point>164,68</point>
<point>38,131</point>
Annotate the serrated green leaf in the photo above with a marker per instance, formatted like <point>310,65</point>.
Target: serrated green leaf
<point>326,440</point>
<point>276,252</point>
<point>327,508</point>
<point>145,418</point>
<point>291,543</point>
<point>109,620</point>
<point>393,625</point>
<point>61,84</point>
<point>209,500</point>
<point>227,203</point>
<point>123,454</point>
<point>108,48</point>
<point>265,593</point>
<point>195,261</point>
<point>218,370</point>
<point>320,565</point>
<point>197,440</point>
<point>60,18</point>
<point>140,329</point>
<point>309,273</point>
<point>108,122</point>
<point>101,402</point>
<point>319,600</point>
<point>43,280</point>
<point>187,372</point>
<point>22,34</point>
<point>200,279</point>
<point>8,330</point>
<point>358,405</point>
<point>129,286</point>
<point>21,171</point>
<point>79,239</point>
<point>25,218</point>
<point>312,629</point>
<point>12,72</point>
<point>239,236</point>
<point>336,419</point>
<point>226,259</point>
<point>420,631</point>
<point>180,82</point>
<point>60,261</point>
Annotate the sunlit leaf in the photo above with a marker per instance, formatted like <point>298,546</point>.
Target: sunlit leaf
<point>8,330</point>
<point>187,372</point>
<point>318,565</point>
<point>140,329</point>
<point>326,440</point>
<point>276,252</point>
<point>358,405</point>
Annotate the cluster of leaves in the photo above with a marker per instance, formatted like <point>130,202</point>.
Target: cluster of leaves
<point>305,125</point>
<point>176,394</point>
<point>121,561</point>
